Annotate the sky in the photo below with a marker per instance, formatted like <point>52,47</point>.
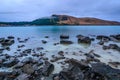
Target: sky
<point>28,10</point>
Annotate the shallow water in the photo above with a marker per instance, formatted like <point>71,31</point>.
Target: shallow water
<point>38,33</point>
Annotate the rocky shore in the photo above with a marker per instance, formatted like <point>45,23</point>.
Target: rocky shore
<point>70,64</point>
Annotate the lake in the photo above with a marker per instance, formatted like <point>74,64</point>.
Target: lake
<point>38,33</point>
<point>57,30</point>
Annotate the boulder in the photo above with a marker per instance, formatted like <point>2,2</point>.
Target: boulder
<point>103,38</point>
<point>28,69</point>
<point>84,39</point>
<point>7,42</point>
<point>115,37</point>
<point>106,71</point>
<point>47,68</point>
<point>64,37</point>
<point>66,42</point>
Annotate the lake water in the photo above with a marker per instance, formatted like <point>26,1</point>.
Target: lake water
<point>38,33</point>
<point>57,30</point>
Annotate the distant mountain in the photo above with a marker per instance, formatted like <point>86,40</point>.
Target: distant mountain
<point>70,20</point>
<point>62,20</point>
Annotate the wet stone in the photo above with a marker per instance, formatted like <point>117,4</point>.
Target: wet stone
<point>61,53</point>
<point>10,62</point>
<point>66,42</point>
<point>23,77</point>
<point>44,42</point>
<point>10,37</point>
<point>64,36</point>
<point>84,39</point>
<point>47,68</point>
<point>28,69</point>
<point>115,64</point>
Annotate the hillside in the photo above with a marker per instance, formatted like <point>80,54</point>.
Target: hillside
<point>62,20</point>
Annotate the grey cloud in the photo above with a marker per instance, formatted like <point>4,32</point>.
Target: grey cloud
<point>31,9</point>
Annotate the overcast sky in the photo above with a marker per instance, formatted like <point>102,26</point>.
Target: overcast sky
<point>27,10</point>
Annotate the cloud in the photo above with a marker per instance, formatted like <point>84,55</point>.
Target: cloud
<point>19,10</point>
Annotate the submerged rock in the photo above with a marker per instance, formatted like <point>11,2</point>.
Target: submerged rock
<point>103,38</point>
<point>61,53</point>
<point>115,64</point>
<point>112,46</point>
<point>10,37</point>
<point>115,37</point>
<point>7,42</point>
<point>44,42</point>
<point>66,42</point>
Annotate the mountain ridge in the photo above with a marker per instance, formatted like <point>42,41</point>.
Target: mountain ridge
<point>62,20</point>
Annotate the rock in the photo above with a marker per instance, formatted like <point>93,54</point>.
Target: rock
<point>56,78</point>
<point>10,62</point>
<point>47,68</point>
<point>2,40</point>
<point>7,42</point>
<point>39,62</point>
<point>96,55</point>
<point>22,41</point>
<point>21,46</point>
<point>44,42</point>
<point>23,77</point>
<point>101,42</point>
<point>66,42</point>
<point>112,46</point>
<point>10,37</point>
<point>84,39</point>
<point>105,47</point>
<point>45,58</point>
<point>27,51</point>
<point>72,74</point>
<point>8,48</point>
<point>115,64</point>
<point>10,75</point>
<point>64,37</point>
<point>5,73</point>
<point>82,65</point>
<point>39,48</point>
<point>56,58</point>
<point>103,38</point>
<point>55,44</point>
<point>19,65</point>
<point>61,53</point>
<point>115,37</point>
<point>106,71</point>
<point>78,70</point>
<point>1,50</point>
<point>28,69</point>
<point>29,60</point>
<point>90,57</point>
<point>46,36</point>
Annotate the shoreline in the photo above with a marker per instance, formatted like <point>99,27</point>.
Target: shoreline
<point>41,62</point>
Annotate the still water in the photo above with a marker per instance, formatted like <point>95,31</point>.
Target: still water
<point>38,33</point>
<point>57,30</point>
